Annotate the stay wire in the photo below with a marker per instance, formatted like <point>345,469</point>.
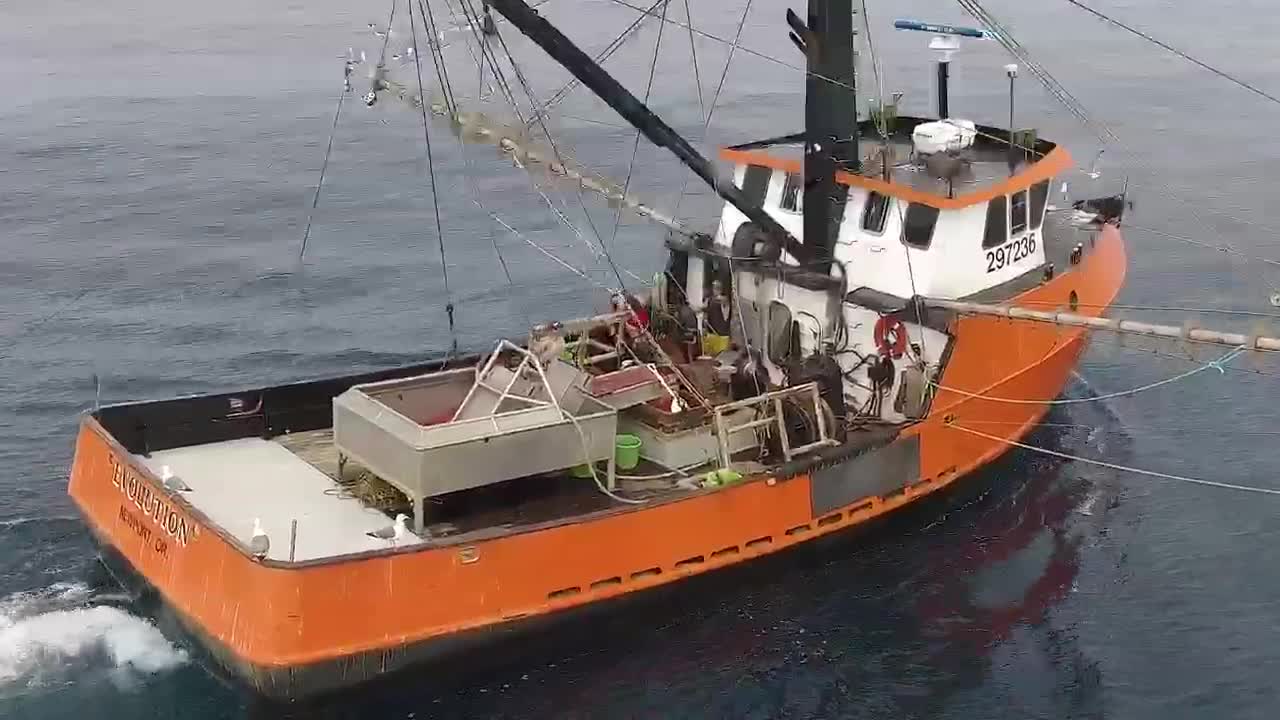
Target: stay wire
<point>431,171</point>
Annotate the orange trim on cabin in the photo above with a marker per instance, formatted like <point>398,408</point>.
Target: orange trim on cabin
<point>1057,160</point>
<point>280,615</point>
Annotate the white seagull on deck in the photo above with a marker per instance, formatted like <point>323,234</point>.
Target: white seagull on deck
<point>395,533</point>
<point>172,482</point>
<point>259,543</point>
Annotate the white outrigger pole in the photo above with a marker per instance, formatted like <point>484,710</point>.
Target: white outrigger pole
<point>1130,327</point>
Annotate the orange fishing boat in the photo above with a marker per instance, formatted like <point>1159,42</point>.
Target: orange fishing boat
<point>787,378</point>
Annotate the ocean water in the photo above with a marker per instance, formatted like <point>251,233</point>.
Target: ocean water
<point>156,167</point>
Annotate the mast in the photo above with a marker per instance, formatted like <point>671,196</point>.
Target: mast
<point>589,73</point>
<point>831,122</point>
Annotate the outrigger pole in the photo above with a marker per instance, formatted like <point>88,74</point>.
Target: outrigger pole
<point>1129,327</point>
<point>600,82</point>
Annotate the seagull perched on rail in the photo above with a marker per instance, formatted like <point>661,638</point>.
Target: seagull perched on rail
<point>172,482</point>
<point>259,543</point>
<point>395,533</point>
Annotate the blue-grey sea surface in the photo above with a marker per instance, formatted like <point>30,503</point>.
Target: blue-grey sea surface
<point>157,164</point>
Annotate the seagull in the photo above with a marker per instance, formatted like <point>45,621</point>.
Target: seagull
<point>172,482</point>
<point>394,533</point>
<point>259,543</point>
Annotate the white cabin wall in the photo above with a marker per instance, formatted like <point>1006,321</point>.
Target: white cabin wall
<point>954,265</point>
<point>861,323</point>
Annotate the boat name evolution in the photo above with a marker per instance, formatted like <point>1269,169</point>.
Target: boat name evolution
<point>152,505</point>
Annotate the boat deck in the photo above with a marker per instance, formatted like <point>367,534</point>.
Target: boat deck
<point>295,477</point>
<point>234,481</point>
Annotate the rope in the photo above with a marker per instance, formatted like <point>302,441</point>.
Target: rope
<point>1215,365</point>
<point>1115,466</point>
<point>1145,36</point>
<point>1146,430</point>
<point>1220,248</point>
<point>431,171</point>
<point>1117,342</point>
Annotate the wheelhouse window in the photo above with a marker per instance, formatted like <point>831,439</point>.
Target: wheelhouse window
<point>792,197</point>
<point>997,232</point>
<point>1018,213</point>
<point>1039,198</point>
<point>917,225</point>
<point>875,212</point>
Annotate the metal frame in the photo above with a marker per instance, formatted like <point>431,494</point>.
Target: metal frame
<point>526,359</point>
<point>771,404</point>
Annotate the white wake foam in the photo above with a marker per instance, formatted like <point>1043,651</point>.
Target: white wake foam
<point>50,631</point>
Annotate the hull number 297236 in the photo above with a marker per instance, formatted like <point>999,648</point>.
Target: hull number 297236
<point>1011,252</point>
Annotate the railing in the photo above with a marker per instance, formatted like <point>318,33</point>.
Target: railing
<point>770,404</point>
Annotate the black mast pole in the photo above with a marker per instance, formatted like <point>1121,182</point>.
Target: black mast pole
<point>831,122</point>
<point>563,51</point>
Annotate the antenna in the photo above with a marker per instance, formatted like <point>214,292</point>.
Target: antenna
<point>946,42</point>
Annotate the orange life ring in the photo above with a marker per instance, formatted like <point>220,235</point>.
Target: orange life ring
<point>891,336</point>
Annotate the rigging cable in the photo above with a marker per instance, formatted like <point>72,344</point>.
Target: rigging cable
<point>437,58</point>
<point>488,53</point>
<point>1218,365</point>
<point>1018,51</point>
<point>1145,36</point>
<point>605,54</point>
<point>315,200</point>
<point>451,107</point>
<point>875,67</point>
<point>635,147</point>
<point>1115,466</point>
<point>693,52</point>
<point>724,73</point>
<point>541,122</point>
<point>662,355</point>
<point>431,170</point>
<point>1055,88</point>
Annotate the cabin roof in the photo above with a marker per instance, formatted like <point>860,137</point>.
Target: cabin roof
<point>988,176</point>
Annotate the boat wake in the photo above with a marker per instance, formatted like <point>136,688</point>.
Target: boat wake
<point>50,634</point>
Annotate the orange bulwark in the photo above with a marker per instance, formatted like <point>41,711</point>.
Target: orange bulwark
<point>296,628</point>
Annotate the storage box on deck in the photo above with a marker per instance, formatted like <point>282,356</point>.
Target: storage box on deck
<point>943,136</point>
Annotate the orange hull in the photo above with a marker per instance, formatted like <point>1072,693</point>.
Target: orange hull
<point>295,628</point>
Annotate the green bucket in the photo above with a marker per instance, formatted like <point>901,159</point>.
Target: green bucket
<point>626,451</point>
<point>580,471</point>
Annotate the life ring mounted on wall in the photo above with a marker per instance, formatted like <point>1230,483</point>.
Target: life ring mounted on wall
<point>891,336</point>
